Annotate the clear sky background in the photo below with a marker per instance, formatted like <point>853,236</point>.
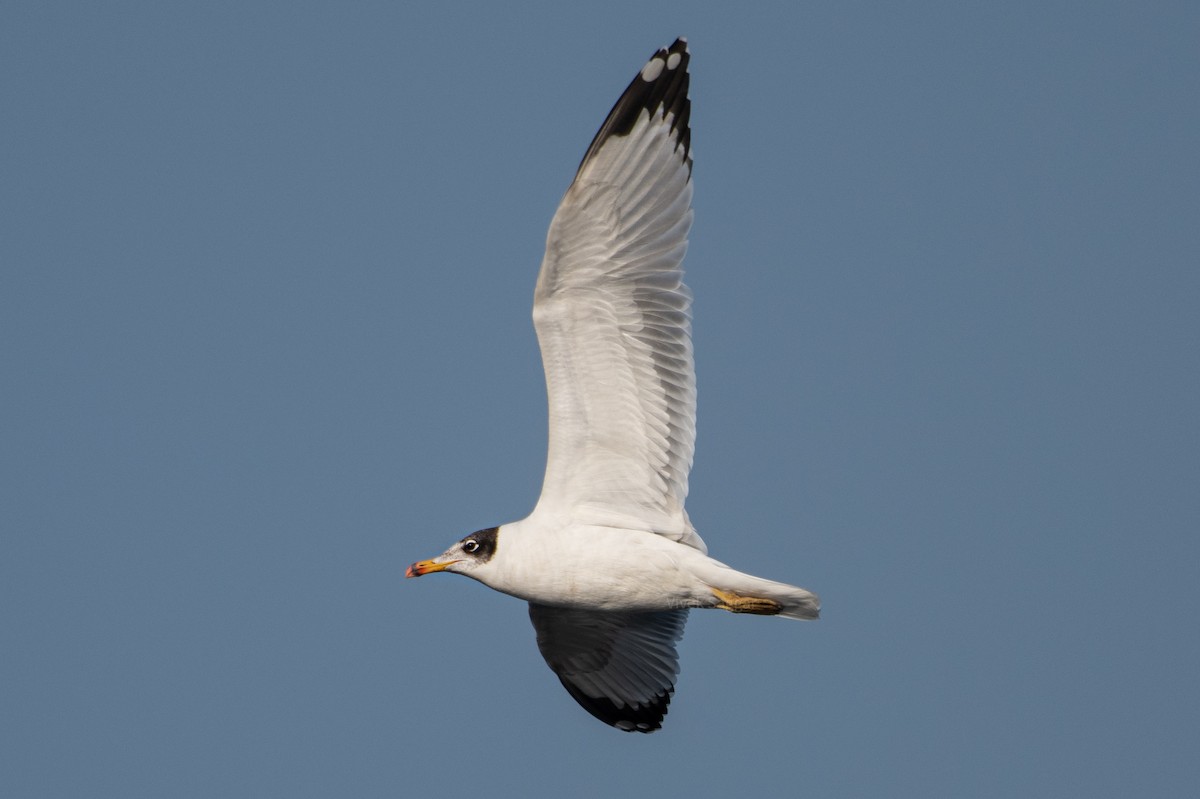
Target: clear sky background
<point>265,284</point>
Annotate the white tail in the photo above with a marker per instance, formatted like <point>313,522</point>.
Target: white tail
<point>744,593</point>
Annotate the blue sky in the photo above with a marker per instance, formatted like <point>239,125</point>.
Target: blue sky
<point>265,286</point>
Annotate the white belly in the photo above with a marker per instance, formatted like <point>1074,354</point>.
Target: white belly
<point>596,567</point>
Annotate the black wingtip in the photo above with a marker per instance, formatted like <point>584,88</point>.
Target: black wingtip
<point>630,718</point>
<point>661,83</point>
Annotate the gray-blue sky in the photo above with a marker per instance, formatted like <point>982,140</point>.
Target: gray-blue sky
<point>265,292</point>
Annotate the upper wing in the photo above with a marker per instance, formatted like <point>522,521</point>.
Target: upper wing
<point>620,667</point>
<point>613,316</point>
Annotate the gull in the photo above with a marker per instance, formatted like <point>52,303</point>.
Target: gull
<point>608,560</point>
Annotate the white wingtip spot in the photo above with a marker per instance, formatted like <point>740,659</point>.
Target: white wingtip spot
<point>673,60</point>
<point>653,69</point>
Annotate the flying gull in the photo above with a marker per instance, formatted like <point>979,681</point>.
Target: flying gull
<point>608,559</point>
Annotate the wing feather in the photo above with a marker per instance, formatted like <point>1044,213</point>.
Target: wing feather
<point>613,317</point>
<point>620,667</point>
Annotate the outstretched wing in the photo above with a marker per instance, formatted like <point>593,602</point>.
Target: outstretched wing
<point>613,317</point>
<point>619,666</point>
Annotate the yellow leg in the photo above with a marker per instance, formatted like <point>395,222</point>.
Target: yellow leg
<point>736,603</point>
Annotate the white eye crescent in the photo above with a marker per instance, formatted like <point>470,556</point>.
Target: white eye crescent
<point>470,545</point>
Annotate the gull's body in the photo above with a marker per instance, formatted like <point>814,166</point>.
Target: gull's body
<point>586,566</point>
<point>609,560</point>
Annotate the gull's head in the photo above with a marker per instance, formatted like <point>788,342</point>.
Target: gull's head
<point>467,555</point>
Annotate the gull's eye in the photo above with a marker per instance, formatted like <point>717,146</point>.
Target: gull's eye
<point>470,545</point>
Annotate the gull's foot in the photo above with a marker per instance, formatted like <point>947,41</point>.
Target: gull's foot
<point>736,603</point>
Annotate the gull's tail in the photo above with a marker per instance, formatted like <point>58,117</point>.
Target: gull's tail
<point>739,592</point>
